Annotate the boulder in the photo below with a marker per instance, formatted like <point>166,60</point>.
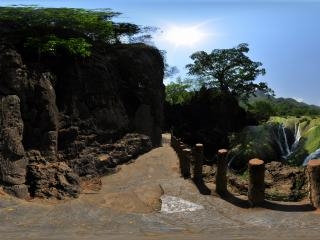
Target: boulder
<point>53,180</point>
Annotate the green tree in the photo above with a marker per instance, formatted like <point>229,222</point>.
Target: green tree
<point>178,92</point>
<point>229,70</point>
<point>262,110</point>
<point>53,30</point>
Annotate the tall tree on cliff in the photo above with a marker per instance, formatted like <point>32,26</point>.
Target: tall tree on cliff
<point>64,31</point>
<point>229,70</point>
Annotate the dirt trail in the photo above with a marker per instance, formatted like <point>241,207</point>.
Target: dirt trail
<point>128,207</point>
<point>138,186</point>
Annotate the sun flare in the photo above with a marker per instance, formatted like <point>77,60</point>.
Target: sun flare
<point>187,36</point>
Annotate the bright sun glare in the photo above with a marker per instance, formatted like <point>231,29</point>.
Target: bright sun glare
<point>184,36</point>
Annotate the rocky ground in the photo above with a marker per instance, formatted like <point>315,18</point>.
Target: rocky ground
<point>147,199</point>
<point>282,182</point>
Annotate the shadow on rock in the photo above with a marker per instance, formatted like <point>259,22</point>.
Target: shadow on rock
<point>229,197</point>
<point>288,207</point>
<point>202,187</point>
<point>282,207</point>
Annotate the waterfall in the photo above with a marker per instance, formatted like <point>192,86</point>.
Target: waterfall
<point>278,141</point>
<point>297,136</point>
<point>282,140</point>
<point>286,145</point>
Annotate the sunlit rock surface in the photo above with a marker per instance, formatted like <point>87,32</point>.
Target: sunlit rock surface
<point>172,204</point>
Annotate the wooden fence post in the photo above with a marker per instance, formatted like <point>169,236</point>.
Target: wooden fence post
<point>256,182</point>
<point>221,174</point>
<point>198,162</point>
<point>186,155</point>
<point>178,149</point>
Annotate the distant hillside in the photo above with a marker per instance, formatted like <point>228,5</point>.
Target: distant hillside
<point>285,106</point>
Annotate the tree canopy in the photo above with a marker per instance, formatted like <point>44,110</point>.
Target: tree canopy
<point>72,30</point>
<point>229,70</point>
<point>177,92</point>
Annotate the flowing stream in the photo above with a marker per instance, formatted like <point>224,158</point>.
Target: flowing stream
<point>282,140</point>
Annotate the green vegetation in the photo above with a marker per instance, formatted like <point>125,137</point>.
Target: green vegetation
<point>178,92</point>
<point>290,107</point>
<point>51,45</point>
<point>252,142</point>
<point>54,31</point>
<point>279,107</point>
<point>310,132</point>
<point>228,70</point>
<point>262,110</point>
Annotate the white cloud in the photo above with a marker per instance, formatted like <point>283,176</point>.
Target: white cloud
<point>298,99</point>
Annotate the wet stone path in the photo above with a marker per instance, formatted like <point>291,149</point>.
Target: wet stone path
<point>147,199</point>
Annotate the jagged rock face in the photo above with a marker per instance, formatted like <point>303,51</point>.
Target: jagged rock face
<point>61,118</point>
<point>37,96</point>
<point>117,90</point>
<point>12,161</point>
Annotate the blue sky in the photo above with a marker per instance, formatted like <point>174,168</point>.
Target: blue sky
<point>283,35</point>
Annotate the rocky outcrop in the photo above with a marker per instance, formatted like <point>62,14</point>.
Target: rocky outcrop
<point>64,119</point>
<point>117,90</point>
<point>100,160</point>
<point>12,156</point>
<point>53,180</point>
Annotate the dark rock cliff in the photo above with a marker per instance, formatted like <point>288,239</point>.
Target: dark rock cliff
<point>63,118</point>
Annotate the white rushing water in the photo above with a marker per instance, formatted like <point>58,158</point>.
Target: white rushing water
<point>297,137</point>
<point>282,140</point>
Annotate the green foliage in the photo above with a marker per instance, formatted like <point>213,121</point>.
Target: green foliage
<point>282,107</point>
<point>252,142</point>
<point>290,107</point>
<point>52,45</point>
<point>178,92</point>
<point>262,110</point>
<point>54,30</point>
<point>229,70</point>
<point>94,24</point>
